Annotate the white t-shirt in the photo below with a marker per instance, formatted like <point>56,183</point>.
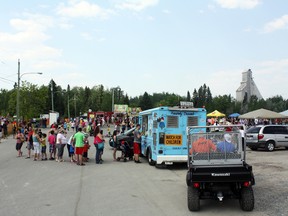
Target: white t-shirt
<point>61,139</point>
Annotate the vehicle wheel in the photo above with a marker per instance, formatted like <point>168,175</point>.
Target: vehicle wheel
<point>150,160</point>
<point>270,146</point>
<point>247,199</point>
<point>193,198</point>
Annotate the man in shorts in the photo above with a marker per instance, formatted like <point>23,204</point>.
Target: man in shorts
<point>137,143</point>
<point>78,138</point>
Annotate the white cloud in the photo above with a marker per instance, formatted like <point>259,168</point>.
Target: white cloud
<point>83,9</point>
<point>86,36</point>
<point>166,11</point>
<point>224,82</point>
<point>29,32</point>
<point>276,72</point>
<point>33,22</point>
<point>137,5</point>
<point>27,41</point>
<point>276,24</point>
<point>242,4</point>
<point>280,65</point>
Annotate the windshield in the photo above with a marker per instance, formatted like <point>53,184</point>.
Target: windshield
<point>254,130</point>
<point>129,131</point>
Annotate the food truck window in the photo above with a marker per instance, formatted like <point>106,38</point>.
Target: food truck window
<point>144,124</point>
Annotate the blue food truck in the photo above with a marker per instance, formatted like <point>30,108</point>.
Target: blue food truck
<point>164,135</point>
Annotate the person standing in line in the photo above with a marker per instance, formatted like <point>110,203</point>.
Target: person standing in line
<point>29,142</point>
<point>137,143</point>
<point>78,139</point>
<point>114,144</point>
<point>5,130</point>
<point>52,143</point>
<point>73,125</point>
<point>123,126</point>
<point>36,144</point>
<point>61,141</point>
<point>19,142</point>
<point>86,148</point>
<point>99,145</point>
<point>43,147</point>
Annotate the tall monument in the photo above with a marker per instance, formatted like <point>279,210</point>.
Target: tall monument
<point>247,88</point>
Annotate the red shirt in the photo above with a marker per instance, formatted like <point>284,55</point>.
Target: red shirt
<point>51,139</point>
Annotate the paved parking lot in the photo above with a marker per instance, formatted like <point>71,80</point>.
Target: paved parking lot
<point>30,187</point>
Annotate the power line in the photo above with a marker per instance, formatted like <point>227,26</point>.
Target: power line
<point>4,79</point>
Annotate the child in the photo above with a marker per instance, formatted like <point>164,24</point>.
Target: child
<point>71,145</point>
<point>43,147</point>
<point>52,146</point>
<point>86,147</point>
<point>72,155</point>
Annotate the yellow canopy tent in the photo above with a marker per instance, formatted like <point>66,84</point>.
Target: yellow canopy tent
<point>215,113</point>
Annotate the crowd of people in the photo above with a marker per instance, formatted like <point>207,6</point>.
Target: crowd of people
<point>51,145</point>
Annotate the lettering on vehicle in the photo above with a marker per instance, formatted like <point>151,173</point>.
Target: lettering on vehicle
<point>220,174</point>
<point>173,139</point>
<point>180,113</point>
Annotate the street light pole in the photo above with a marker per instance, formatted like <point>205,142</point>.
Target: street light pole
<point>18,90</point>
<point>18,94</point>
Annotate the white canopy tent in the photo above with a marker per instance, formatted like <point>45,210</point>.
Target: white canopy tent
<point>262,114</point>
<point>284,113</point>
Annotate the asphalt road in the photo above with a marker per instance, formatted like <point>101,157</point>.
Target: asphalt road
<point>48,188</point>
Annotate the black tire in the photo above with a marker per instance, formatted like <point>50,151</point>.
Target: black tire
<point>150,160</point>
<point>193,199</point>
<point>270,146</point>
<point>247,199</point>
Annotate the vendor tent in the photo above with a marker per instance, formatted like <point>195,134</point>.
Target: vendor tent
<point>234,115</point>
<point>215,113</point>
<point>284,113</point>
<point>262,114</point>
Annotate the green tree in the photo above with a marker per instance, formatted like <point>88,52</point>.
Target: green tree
<point>188,96</point>
<point>145,101</point>
<point>32,100</point>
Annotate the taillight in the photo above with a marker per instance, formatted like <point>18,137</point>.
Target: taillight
<point>246,184</point>
<point>196,185</point>
<point>260,136</point>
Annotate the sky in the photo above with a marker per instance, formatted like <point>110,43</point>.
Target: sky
<point>151,46</point>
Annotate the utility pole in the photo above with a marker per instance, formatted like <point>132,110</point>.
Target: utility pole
<point>68,106</point>
<point>52,96</point>
<point>75,104</point>
<point>112,100</point>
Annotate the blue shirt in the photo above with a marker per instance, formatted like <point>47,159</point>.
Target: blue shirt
<point>224,145</point>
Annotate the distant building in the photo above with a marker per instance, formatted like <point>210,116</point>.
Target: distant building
<point>247,88</point>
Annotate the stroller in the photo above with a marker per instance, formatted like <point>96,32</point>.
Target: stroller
<point>127,151</point>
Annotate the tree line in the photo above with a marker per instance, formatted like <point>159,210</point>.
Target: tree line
<point>72,102</point>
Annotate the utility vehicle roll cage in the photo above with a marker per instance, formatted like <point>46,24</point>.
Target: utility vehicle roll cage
<point>216,145</point>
